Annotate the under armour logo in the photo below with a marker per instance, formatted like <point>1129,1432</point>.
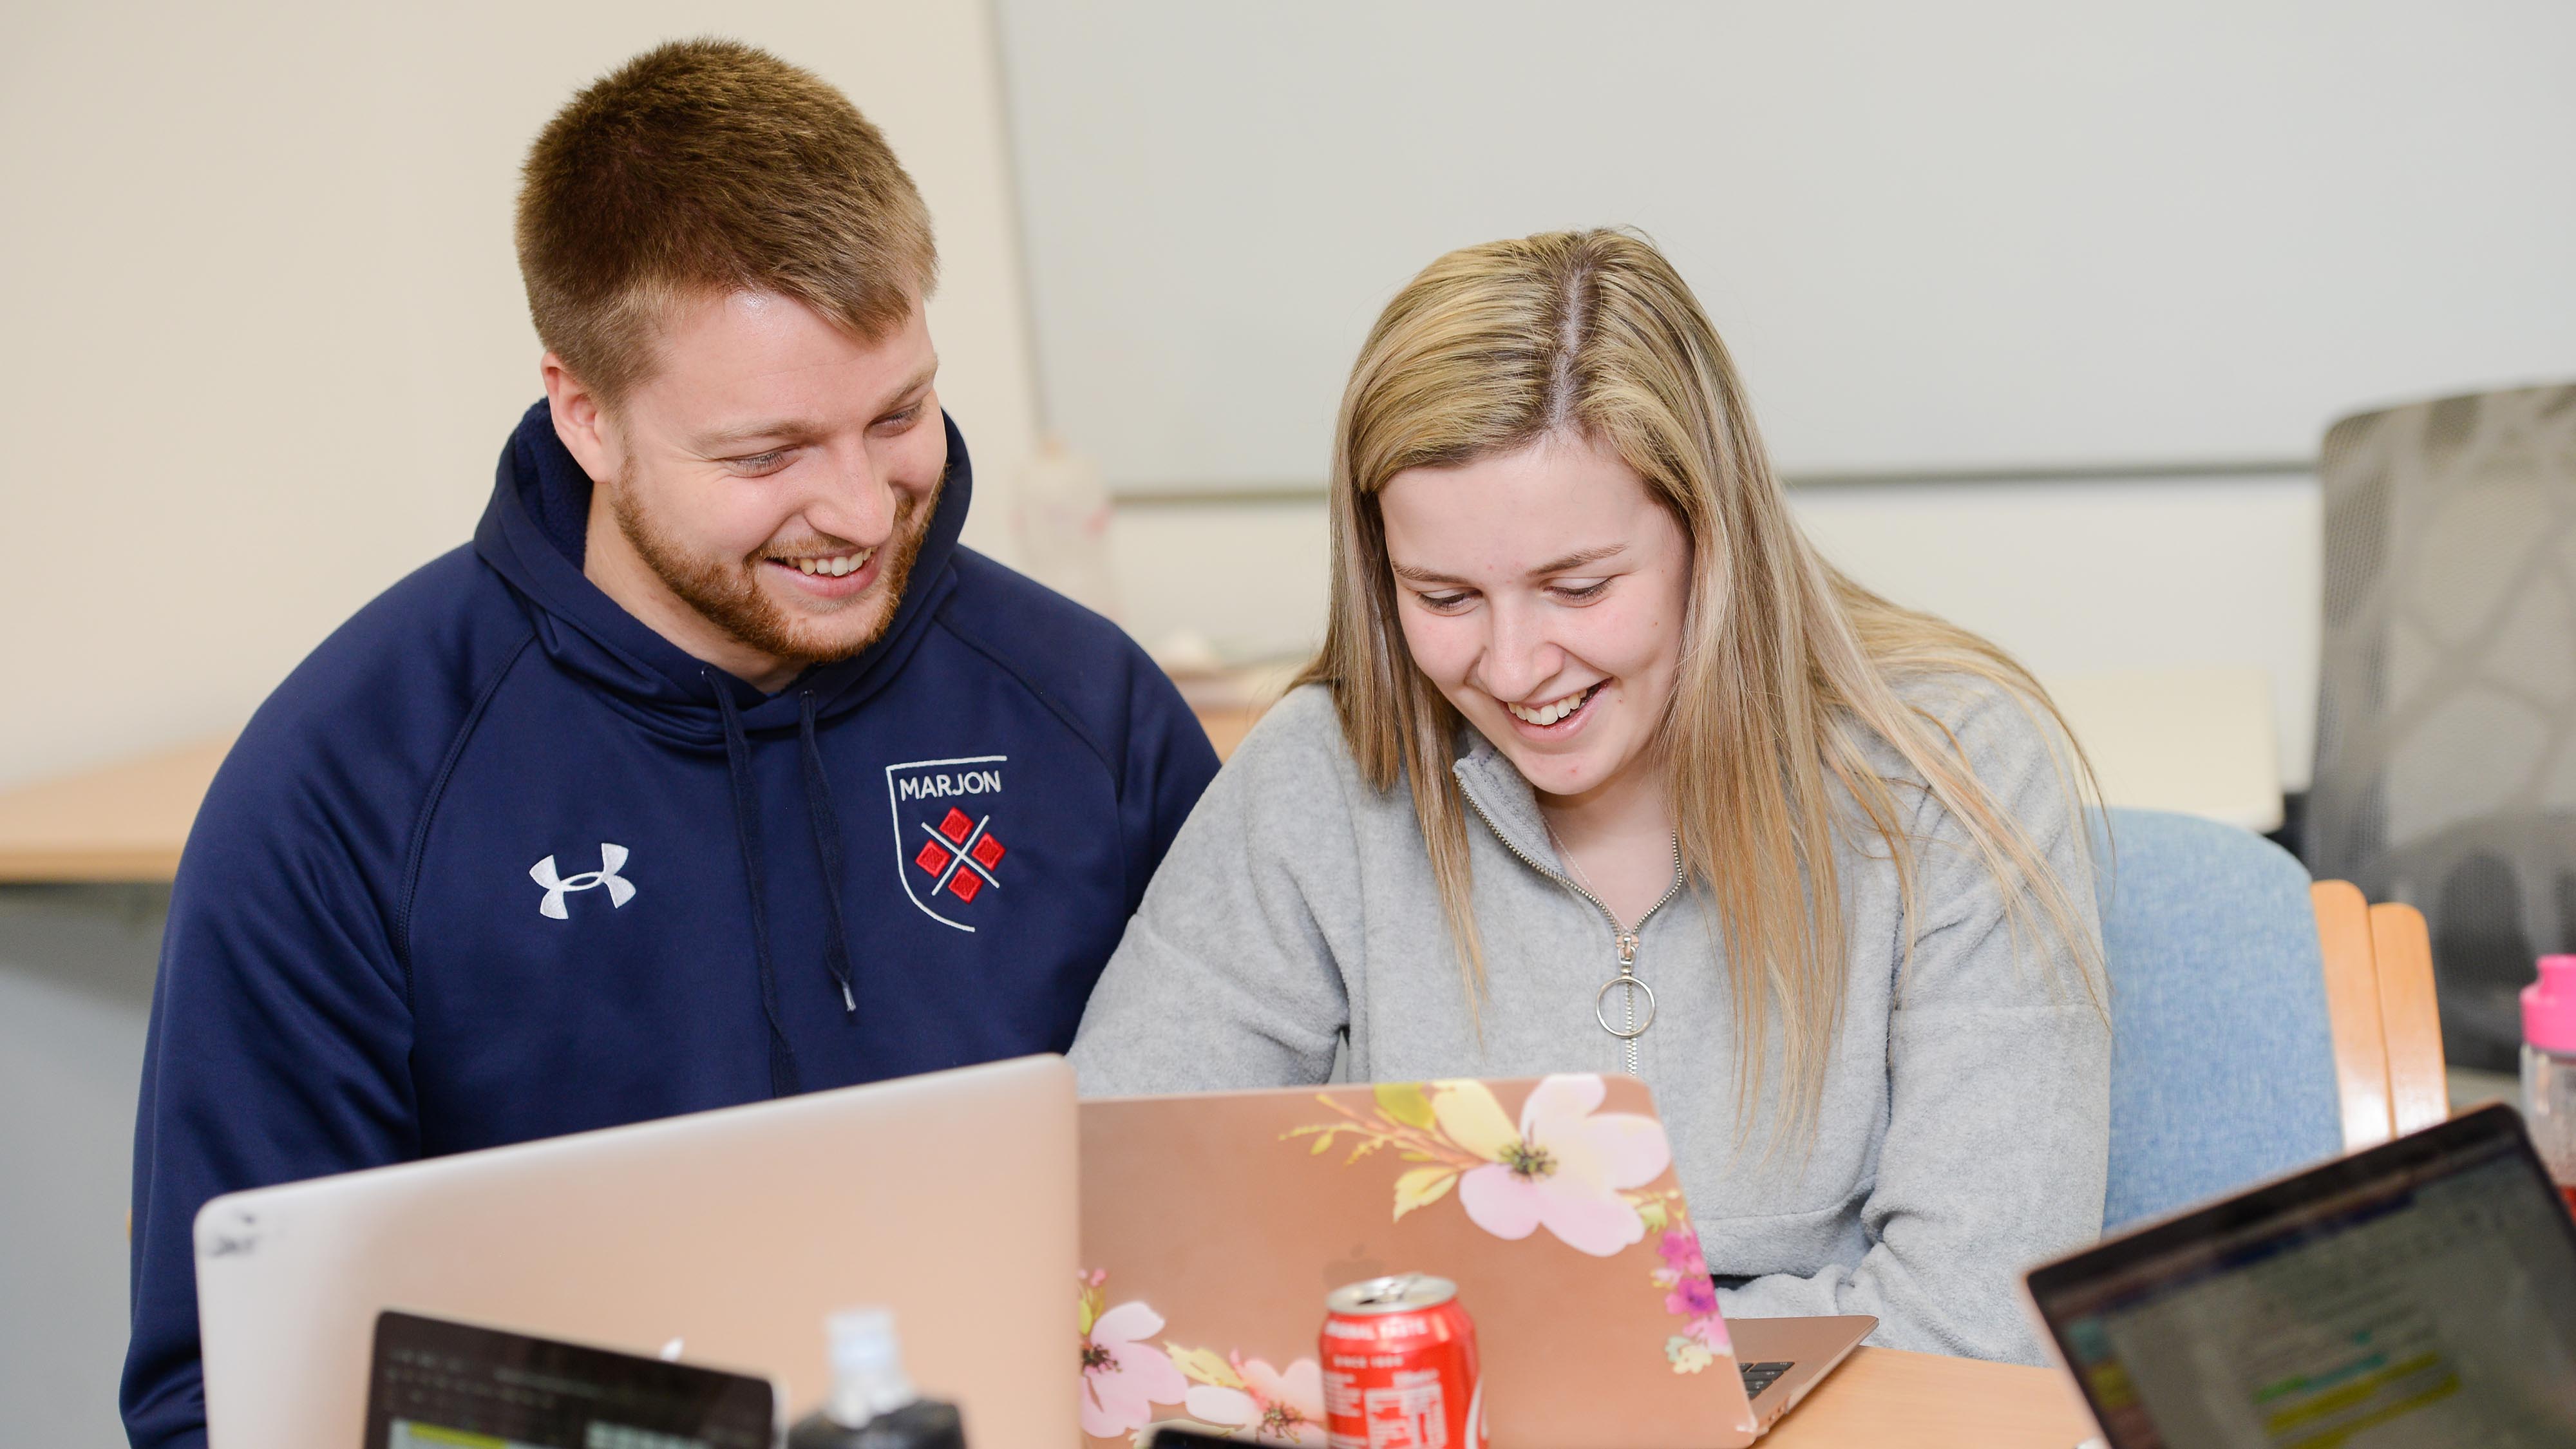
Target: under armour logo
<point>612,858</point>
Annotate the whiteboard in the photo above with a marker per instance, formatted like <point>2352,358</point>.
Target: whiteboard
<point>1959,237</point>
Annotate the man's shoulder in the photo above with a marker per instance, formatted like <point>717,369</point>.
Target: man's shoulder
<point>423,647</point>
<point>992,598</point>
<point>361,726</point>
<point>1075,657</point>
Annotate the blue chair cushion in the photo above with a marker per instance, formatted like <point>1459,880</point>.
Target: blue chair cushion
<point>2222,1056</point>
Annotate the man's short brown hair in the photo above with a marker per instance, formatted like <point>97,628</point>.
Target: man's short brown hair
<point>708,165</point>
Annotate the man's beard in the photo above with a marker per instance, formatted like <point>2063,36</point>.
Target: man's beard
<point>729,595</point>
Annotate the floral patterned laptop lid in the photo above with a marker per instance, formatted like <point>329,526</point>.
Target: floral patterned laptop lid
<point>1213,1226</point>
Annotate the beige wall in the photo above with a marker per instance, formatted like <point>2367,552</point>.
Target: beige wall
<point>264,333</point>
<point>1971,235</point>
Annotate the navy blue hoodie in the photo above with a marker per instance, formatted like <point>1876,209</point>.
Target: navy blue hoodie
<point>498,862</point>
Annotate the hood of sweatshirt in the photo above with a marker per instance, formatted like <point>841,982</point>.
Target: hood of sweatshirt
<point>533,534</point>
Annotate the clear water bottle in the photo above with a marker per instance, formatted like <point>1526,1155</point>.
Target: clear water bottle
<point>873,1403</point>
<point>2549,1069</point>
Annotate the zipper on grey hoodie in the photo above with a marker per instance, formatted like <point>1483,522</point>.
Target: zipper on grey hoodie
<point>1623,939</point>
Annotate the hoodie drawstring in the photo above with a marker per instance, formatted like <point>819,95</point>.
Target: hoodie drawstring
<point>827,844</point>
<point>746,824</point>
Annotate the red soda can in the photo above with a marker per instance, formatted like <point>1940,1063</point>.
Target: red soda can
<point>1399,1359</point>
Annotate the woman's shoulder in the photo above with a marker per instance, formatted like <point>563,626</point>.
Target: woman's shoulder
<point>1295,754</point>
<point>1292,792</point>
<point>1302,732</point>
<point>1987,720</point>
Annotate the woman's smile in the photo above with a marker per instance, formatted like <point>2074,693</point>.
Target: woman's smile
<point>1557,718</point>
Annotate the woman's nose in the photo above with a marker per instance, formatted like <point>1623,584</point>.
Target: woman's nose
<point>1518,655</point>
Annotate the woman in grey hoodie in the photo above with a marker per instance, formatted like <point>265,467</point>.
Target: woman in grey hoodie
<point>1603,768</point>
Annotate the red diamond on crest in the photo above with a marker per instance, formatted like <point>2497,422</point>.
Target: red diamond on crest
<point>987,852</point>
<point>932,858</point>
<point>964,884</point>
<point>957,827</point>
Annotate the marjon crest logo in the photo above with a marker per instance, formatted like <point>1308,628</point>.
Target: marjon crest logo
<point>612,859</point>
<point>945,852</point>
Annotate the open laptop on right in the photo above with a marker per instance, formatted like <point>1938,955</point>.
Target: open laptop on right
<point>2421,1293</point>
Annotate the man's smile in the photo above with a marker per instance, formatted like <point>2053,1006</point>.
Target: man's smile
<point>832,577</point>
<point>831,565</point>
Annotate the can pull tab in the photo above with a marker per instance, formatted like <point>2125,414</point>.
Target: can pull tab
<point>1388,1290</point>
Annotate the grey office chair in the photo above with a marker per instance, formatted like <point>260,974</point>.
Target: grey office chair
<point>2446,723</point>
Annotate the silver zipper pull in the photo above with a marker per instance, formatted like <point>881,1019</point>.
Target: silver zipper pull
<point>1627,952</point>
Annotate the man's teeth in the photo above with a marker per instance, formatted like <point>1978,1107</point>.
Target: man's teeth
<point>835,567</point>
<point>1548,714</point>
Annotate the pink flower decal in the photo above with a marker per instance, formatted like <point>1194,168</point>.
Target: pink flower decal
<point>1123,1376</point>
<point>1279,1408</point>
<point>1690,1296</point>
<point>1686,1273</point>
<point>1566,1167</point>
<point>1699,1344</point>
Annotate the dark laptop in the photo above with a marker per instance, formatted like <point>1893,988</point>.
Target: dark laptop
<point>442,1385</point>
<point>2418,1295</point>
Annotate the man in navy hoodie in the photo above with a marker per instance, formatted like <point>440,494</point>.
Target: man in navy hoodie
<point>714,770</point>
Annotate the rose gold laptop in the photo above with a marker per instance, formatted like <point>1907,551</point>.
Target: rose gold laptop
<point>1213,1225</point>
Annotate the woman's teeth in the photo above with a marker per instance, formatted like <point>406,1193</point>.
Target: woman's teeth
<point>836,566</point>
<point>1550,713</point>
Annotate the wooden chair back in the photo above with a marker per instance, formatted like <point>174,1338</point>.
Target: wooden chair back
<point>2387,1029</point>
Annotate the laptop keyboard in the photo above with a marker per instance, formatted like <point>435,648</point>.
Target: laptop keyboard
<point>1760,1376</point>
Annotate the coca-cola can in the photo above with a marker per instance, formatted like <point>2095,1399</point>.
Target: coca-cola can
<point>1400,1372</point>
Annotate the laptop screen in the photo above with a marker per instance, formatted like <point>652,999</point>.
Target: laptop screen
<point>2419,1294</point>
<point>440,1385</point>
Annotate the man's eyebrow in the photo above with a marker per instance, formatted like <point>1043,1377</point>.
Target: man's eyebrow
<point>915,383</point>
<point>788,430</point>
<point>780,429</point>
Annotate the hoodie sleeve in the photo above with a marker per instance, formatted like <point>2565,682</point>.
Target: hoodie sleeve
<point>280,1034</point>
<point>1167,768</point>
<point>1998,1066</point>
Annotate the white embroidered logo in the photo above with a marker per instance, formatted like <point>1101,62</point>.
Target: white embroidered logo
<point>958,855</point>
<point>612,858</point>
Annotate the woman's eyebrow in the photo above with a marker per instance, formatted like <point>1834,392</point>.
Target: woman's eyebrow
<point>1553,566</point>
<point>1425,576</point>
<point>1576,560</point>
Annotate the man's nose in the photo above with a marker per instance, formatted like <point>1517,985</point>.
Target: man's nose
<point>855,501</point>
<point>1519,657</point>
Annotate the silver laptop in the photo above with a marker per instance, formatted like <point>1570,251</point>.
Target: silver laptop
<point>721,1238</point>
<point>2420,1295</point>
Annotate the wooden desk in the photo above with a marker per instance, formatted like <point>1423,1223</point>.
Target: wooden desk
<point>122,823</point>
<point>1884,1397</point>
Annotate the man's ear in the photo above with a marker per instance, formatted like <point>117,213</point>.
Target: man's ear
<point>581,420</point>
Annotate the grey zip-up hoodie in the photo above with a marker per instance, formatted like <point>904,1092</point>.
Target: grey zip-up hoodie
<point>1294,935</point>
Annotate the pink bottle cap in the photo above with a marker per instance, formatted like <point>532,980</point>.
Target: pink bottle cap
<point>2549,1006</point>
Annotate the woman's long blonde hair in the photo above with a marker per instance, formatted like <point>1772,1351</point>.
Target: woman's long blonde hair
<point>1789,670</point>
